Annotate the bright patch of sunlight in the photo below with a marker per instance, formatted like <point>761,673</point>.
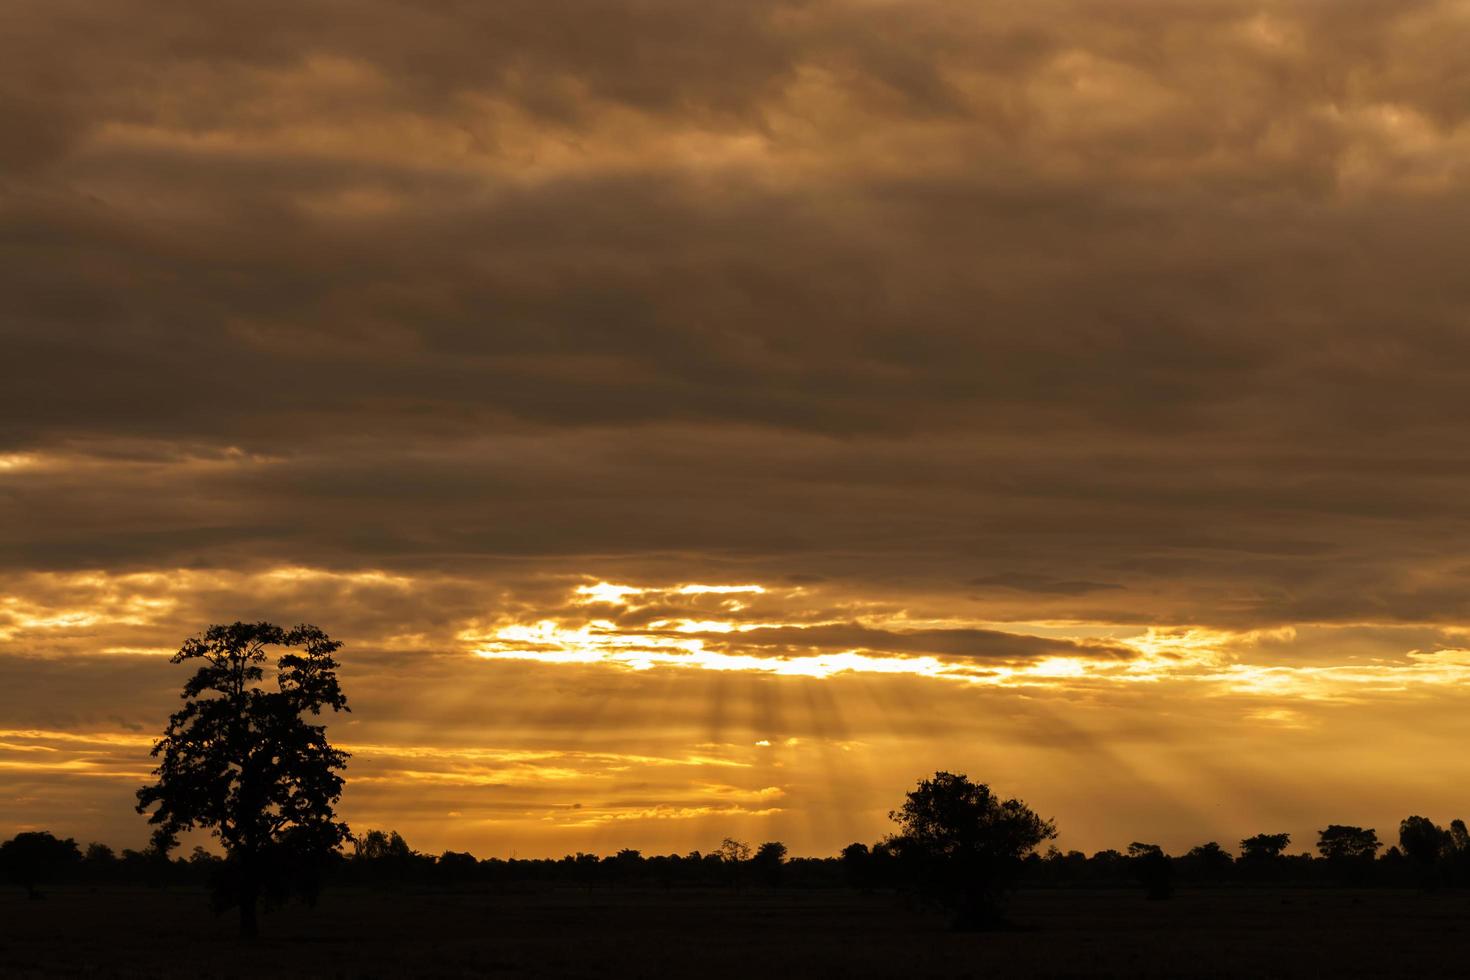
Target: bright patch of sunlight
<point>10,462</point>
<point>1219,662</point>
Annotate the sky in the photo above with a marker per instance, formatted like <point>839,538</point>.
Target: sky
<point>707,419</point>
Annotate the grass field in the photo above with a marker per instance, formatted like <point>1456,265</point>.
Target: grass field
<point>138,932</point>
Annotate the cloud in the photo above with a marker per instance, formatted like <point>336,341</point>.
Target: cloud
<point>1109,352</point>
<point>977,644</point>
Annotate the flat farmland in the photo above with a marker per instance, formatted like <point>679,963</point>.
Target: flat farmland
<point>574,932</point>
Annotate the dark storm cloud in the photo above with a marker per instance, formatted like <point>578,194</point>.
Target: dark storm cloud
<point>1192,538</point>
<point>1143,311</point>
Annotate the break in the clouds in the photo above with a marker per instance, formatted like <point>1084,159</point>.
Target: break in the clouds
<point>1060,362</point>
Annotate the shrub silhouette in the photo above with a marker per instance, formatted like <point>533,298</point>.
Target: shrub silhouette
<point>965,845</point>
<point>245,764</point>
<point>35,857</point>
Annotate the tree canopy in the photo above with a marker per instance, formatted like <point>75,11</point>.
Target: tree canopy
<point>1339,842</point>
<point>245,762</point>
<point>1264,847</point>
<point>1422,840</point>
<point>966,844</point>
<point>34,857</point>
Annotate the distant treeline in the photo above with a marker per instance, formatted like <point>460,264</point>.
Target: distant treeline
<point>1426,856</point>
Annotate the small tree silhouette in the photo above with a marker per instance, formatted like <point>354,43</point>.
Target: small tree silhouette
<point>857,866</point>
<point>966,845</point>
<point>1153,869</point>
<point>733,851</point>
<point>1459,836</point>
<point>99,862</point>
<point>1457,853</point>
<point>767,861</point>
<point>1264,847</point>
<point>733,854</point>
<point>245,764</point>
<point>1341,843</point>
<point>383,846</point>
<point>35,857</point>
<point>624,866</point>
<point>1209,860</point>
<point>457,866</point>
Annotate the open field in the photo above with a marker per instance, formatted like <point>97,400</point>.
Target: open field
<point>136,932</point>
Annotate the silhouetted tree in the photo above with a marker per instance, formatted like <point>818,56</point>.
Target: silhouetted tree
<point>626,865</point>
<point>244,763</point>
<point>1209,861</point>
<point>767,861</point>
<point>1422,840</point>
<point>734,851</point>
<point>384,856</point>
<point>733,854</point>
<point>1344,843</point>
<point>99,861</point>
<point>1457,854</point>
<point>201,858</point>
<point>884,863</point>
<point>1108,863</point>
<point>1264,847</point>
<point>1153,869</point>
<point>857,866</point>
<point>1263,856</point>
<point>1059,866</point>
<point>457,866</point>
<point>35,857</point>
<point>1427,846</point>
<point>966,845</point>
<point>1459,836</point>
<point>582,867</point>
<point>150,865</point>
<point>1349,850</point>
<point>381,845</point>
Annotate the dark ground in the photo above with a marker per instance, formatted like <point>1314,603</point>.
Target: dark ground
<point>567,932</point>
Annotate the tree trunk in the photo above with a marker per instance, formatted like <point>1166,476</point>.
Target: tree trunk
<point>249,926</point>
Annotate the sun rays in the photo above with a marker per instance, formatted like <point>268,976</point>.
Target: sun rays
<point>575,710</point>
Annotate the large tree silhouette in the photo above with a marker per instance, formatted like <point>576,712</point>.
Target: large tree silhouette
<point>34,857</point>
<point>966,845</point>
<point>245,763</point>
<point>1429,848</point>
